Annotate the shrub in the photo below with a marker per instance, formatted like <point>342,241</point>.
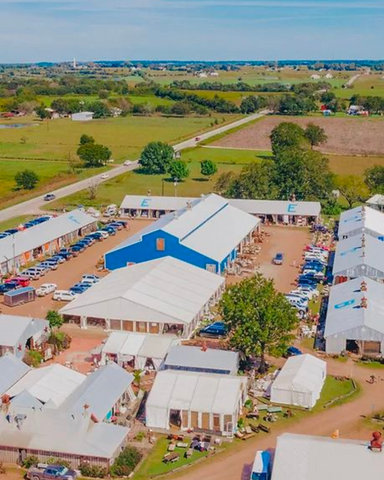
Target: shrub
<point>59,461</point>
<point>28,462</point>
<point>33,358</point>
<point>126,462</point>
<point>93,471</point>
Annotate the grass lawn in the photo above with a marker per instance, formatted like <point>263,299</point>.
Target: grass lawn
<point>353,165</point>
<point>153,464</point>
<point>373,364</point>
<point>223,155</point>
<point>333,389</point>
<point>366,85</point>
<point>14,222</point>
<point>126,137</point>
<point>136,183</point>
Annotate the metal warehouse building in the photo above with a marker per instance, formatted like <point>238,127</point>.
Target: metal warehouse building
<point>44,239</point>
<point>208,233</point>
<point>361,220</point>
<point>273,211</point>
<point>160,296</point>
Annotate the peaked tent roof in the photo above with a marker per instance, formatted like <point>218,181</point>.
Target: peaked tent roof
<point>359,218</point>
<point>14,329</point>
<point>210,225</point>
<point>345,311</point>
<point>12,370</point>
<point>213,359</point>
<point>161,290</point>
<point>300,373</point>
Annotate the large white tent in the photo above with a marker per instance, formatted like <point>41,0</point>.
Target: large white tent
<point>361,220</point>
<point>138,349</point>
<point>355,317</point>
<point>160,296</point>
<point>300,381</point>
<point>359,255</point>
<point>195,400</point>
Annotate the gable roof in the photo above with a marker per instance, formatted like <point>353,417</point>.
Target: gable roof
<point>360,218</point>
<point>345,311</point>
<point>209,225</point>
<point>195,357</point>
<point>12,370</point>
<point>15,329</point>
<point>160,291</point>
<point>301,373</point>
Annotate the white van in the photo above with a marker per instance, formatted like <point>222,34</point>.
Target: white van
<point>110,211</point>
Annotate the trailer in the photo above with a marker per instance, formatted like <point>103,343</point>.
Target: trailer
<point>19,296</point>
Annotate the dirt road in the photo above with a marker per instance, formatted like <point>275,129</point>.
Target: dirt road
<point>236,464</point>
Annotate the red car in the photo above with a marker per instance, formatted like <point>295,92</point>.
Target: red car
<point>21,281</point>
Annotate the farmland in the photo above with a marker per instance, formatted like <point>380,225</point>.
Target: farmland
<point>346,136</point>
<point>366,85</point>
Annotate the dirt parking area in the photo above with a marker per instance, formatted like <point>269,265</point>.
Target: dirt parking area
<point>352,136</point>
<point>291,242</point>
<point>71,272</point>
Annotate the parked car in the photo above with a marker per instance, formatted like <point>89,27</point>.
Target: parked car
<point>76,249</point>
<point>64,253</point>
<point>11,231</point>
<point>77,290</point>
<point>3,235</point>
<point>215,330</point>
<point>21,281</point>
<point>40,268</point>
<point>109,230</point>
<point>7,287</point>
<point>49,197</point>
<point>278,259</point>
<point>58,258</point>
<point>84,242</point>
<point>90,278</point>
<point>48,265</point>
<point>64,296</point>
<point>116,225</point>
<point>45,289</point>
<point>293,352</point>
<point>122,222</point>
<point>127,163</point>
<point>91,239</point>
<point>103,233</point>
<point>104,176</point>
<point>96,235</point>
<point>57,472</point>
<point>32,273</point>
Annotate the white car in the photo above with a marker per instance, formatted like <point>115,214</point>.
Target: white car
<point>103,233</point>
<point>104,176</point>
<point>127,163</point>
<point>45,289</point>
<point>64,296</point>
<point>88,278</point>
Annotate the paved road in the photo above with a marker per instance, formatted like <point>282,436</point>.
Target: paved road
<point>34,205</point>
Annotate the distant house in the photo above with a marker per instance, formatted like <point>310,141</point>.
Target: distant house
<point>328,76</point>
<point>82,116</point>
<point>315,77</point>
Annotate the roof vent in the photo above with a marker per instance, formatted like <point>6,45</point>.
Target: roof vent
<point>364,302</point>
<point>363,286</point>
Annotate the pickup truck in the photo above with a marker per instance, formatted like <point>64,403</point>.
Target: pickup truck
<point>50,472</point>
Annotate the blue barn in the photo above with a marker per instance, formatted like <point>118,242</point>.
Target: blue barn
<point>207,233</point>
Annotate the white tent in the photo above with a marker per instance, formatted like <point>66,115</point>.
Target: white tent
<point>199,400</point>
<point>125,347</point>
<point>299,382</point>
<point>361,220</point>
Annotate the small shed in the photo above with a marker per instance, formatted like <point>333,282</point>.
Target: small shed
<point>82,116</point>
<point>204,360</point>
<point>299,382</point>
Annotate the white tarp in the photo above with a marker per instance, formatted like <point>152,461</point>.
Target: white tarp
<point>299,382</point>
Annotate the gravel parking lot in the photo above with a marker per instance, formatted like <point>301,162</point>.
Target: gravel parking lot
<point>71,272</point>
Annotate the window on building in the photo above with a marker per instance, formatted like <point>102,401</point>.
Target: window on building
<point>160,244</point>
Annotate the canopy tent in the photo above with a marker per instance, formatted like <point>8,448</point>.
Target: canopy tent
<point>355,313</point>
<point>199,400</point>
<point>299,382</point>
<point>361,220</point>
<point>139,348</point>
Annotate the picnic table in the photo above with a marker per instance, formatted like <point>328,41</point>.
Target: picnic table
<point>171,458</point>
<point>275,410</point>
<point>171,447</point>
<point>181,445</point>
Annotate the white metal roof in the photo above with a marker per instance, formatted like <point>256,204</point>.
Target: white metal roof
<point>12,369</point>
<point>139,344</point>
<point>210,226</point>
<point>164,290</point>
<point>306,457</point>
<point>255,207</point>
<point>51,385</point>
<point>34,237</point>
<point>212,359</point>
<point>376,200</point>
<point>198,392</point>
<point>303,373</point>
<point>360,218</point>
<point>351,254</point>
<point>15,330</point>
<point>346,314</point>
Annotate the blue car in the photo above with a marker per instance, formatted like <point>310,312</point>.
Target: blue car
<point>11,231</point>
<point>215,330</point>
<point>293,352</point>
<point>77,290</point>
<point>110,230</point>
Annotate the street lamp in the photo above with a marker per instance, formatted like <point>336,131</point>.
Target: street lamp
<point>175,180</point>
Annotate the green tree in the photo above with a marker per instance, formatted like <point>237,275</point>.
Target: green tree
<point>41,112</point>
<point>260,320</point>
<point>27,180</point>
<point>179,169</point>
<point>156,158</point>
<point>286,135</point>
<point>84,139</point>
<point>224,181</point>
<point>54,318</point>
<point>352,188</point>
<point>374,178</point>
<point>94,155</point>
<point>208,168</point>
<point>315,135</point>
<point>255,181</point>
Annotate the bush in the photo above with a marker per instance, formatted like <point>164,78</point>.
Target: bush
<point>30,461</point>
<point>59,461</point>
<point>60,340</point>
<point>33,358</point>
<point>93,471</point>
<point>126,462</point>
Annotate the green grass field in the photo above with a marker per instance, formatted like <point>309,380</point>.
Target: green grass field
<point>223,155</point>
<point>367,85</point>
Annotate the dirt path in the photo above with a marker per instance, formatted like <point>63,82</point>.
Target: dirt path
<point>236,463</point>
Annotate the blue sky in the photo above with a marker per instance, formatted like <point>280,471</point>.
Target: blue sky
<point>56,30</point>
